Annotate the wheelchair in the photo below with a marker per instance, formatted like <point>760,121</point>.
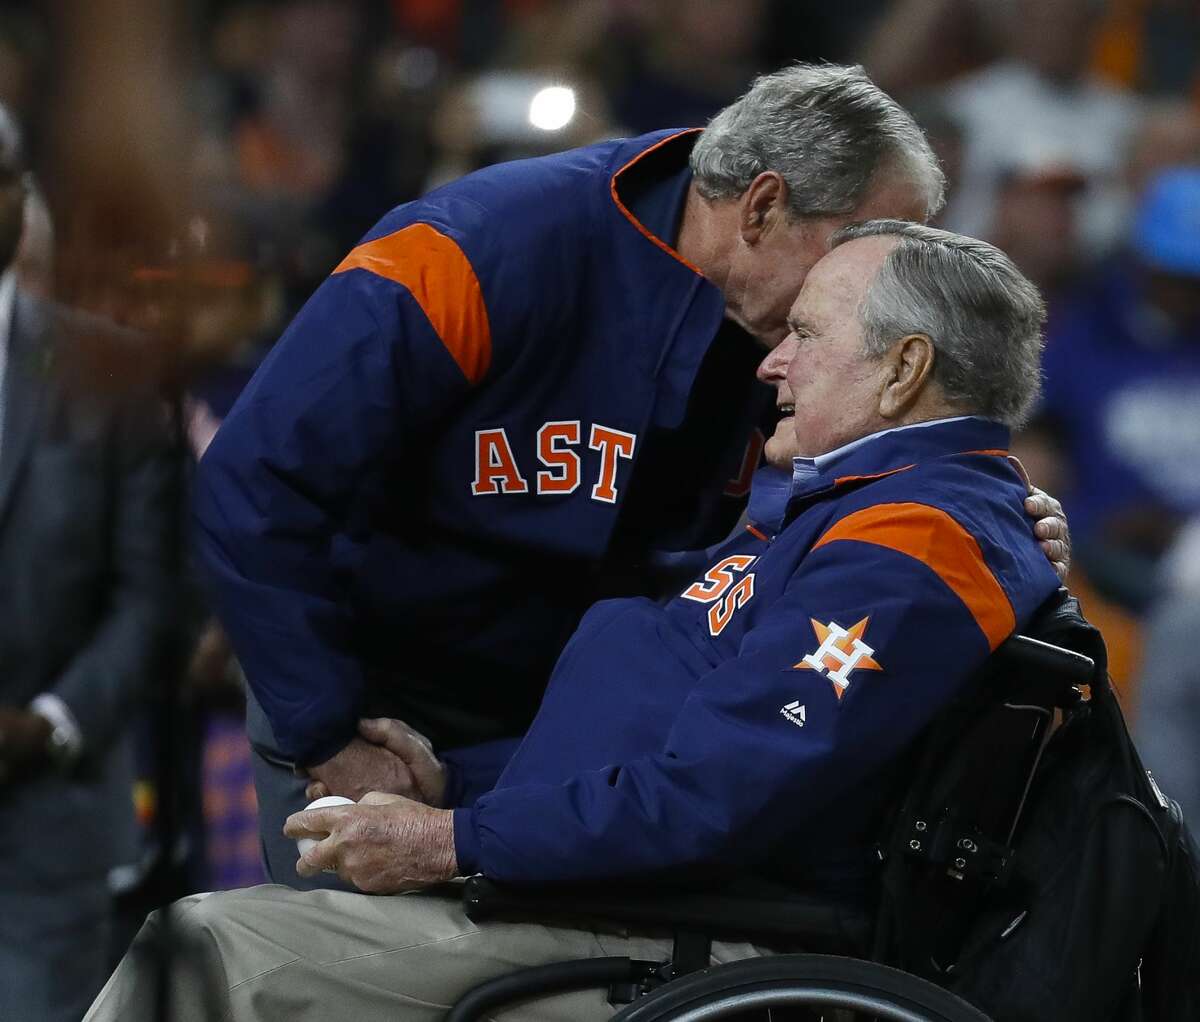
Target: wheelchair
<point>949,840</point>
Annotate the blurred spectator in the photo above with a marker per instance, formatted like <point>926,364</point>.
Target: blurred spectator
<point>917,44</point>
<point>88,508</point>
<point>295,128</point>
<point>1035,218</point>
<point>692,59</point>
<point>1169,136</point>
<point>232,307</point>
<point>239,40</point>
<point>1151,45</point>
<point>1040,96</point>
<point>1168,719</point>
<point>293,145</point>
<point>508,115</point>
<point>1123,386</point>
<point>567,35</point>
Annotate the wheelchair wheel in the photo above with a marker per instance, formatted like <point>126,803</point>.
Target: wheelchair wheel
<point>816,987</point>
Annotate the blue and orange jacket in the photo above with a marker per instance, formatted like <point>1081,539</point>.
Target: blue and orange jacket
<point>752,720</point>
<point>467,434</point>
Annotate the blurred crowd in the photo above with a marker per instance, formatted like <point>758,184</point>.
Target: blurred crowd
<point>1069,130</point>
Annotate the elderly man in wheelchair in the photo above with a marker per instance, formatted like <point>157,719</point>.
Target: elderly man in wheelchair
<point>729,756</point>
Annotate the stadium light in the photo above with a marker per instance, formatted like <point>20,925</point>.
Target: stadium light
<point>552,108</point>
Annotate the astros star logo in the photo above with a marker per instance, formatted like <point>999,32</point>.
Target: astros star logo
<point>841,651</point>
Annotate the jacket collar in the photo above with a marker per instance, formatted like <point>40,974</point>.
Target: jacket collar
<point>665,156</point>
<point>680,310</point>
<point>775,498</point>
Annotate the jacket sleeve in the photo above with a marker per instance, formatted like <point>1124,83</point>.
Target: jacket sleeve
<point>393,340</point>
<point>128,649</point>
<point>737,774</point>
<point>473,770</point>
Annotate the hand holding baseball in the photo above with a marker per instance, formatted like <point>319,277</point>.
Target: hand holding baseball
<point>306,844</point>
<point>384,845</point>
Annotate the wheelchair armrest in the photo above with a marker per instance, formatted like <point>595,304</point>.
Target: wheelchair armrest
<point>787,918</point>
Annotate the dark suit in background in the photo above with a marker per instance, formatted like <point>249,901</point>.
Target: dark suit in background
<point>88,542</point>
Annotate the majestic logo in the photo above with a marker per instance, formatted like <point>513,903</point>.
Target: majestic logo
<point>840,653</point>
<point>794,712</point>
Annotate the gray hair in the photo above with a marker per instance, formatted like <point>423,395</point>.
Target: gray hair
<point>826,130</point>
<point>982,314</point>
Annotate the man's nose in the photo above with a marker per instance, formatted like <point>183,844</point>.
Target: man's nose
<point>775,365</point>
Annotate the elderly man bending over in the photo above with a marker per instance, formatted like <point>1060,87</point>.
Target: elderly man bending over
<point>747,725</point>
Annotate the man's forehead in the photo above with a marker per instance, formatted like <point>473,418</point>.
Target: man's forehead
<point>846,272</point>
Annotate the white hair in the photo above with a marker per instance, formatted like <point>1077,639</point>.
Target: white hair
<point>827,130</point>
<point>982,314</point>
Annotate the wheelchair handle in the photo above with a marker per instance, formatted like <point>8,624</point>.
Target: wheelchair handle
<point>1035,655</point>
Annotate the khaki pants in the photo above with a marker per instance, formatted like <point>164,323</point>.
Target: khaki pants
<point>271,953</point>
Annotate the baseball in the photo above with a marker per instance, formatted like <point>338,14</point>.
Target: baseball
<point>305,843</point>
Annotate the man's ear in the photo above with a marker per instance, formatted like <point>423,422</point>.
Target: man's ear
<point>764,202</point>
<point>909,367</point>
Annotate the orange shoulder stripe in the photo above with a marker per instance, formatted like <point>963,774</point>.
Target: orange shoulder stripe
<point>439,276</point>
<point>935,539</point>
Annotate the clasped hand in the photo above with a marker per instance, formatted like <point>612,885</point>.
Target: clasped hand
<point>396,838</point>
<point>387,756</point>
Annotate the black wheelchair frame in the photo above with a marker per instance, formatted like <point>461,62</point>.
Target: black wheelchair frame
<point>972,850</point>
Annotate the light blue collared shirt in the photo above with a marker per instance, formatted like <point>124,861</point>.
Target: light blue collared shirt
<point>774,487</point>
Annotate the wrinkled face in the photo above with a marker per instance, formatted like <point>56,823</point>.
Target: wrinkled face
<point>827,389</point>
<point>765,278</point>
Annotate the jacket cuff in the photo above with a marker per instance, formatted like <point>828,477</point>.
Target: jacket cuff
<point>466,842</point>
<point>315,753</point>
<point>452,796</point>
<point>65,733</point>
